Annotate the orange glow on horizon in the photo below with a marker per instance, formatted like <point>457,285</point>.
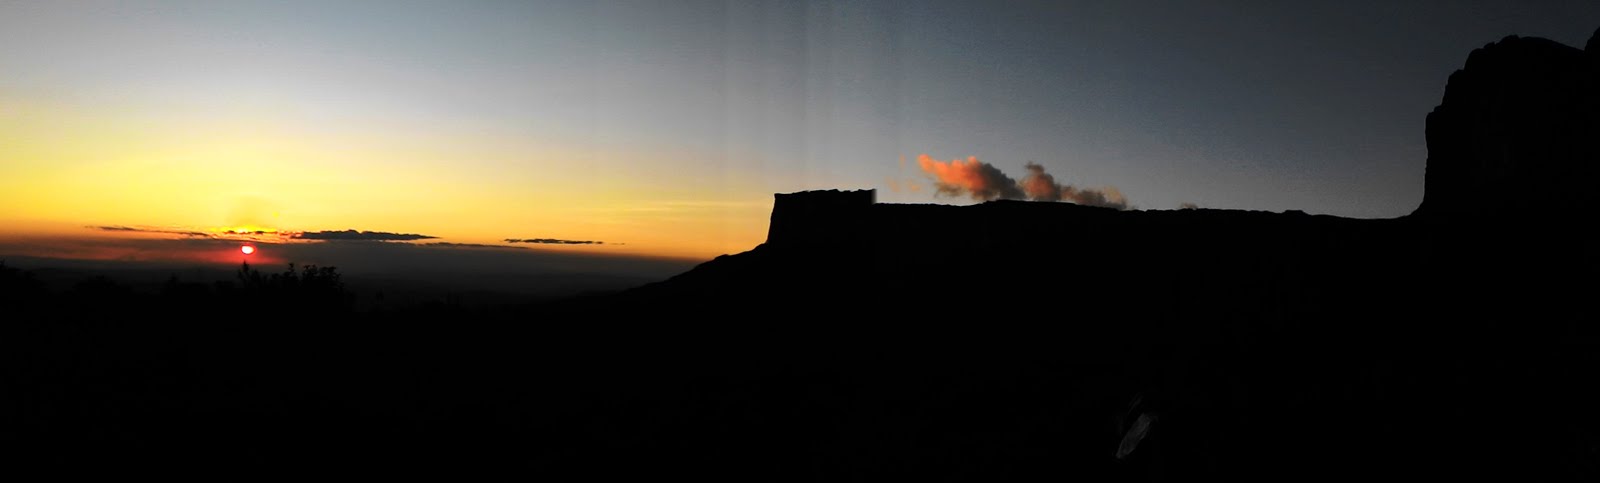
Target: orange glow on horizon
<point>73,165</point>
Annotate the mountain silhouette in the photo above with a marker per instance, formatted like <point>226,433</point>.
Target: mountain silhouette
<point>1437,343</point>
<point>1518,134</point>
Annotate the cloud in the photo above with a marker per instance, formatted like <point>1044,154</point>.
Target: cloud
<point>906,186</point>
<point>984,182</point>
<point>1108,197</point>
<point>467,245</point>
<point>1188,206</point>
<point>149,230</point>
<point>974,178</point>
<point>553,241</point>
<point>355,235</point>
<point>1041,186</point>
<point>900,184</point>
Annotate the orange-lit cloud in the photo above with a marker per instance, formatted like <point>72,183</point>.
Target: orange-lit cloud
<point>973,177</point>
<point>1041,186</point>
<point>984,182</point>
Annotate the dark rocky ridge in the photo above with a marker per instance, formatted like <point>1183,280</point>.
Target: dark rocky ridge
<point>1513,150</point>
<point>1430,345</point>
<point>1518,133</point>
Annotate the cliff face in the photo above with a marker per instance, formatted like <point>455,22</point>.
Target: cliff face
<point>1518,133</point>
<point>818,217</point>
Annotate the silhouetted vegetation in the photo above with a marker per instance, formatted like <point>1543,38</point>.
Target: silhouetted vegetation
<point>17,286</point>
<point>314,287</point>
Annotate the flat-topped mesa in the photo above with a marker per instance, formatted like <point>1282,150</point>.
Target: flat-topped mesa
<point>1517,134</point>
<point>828,217</point>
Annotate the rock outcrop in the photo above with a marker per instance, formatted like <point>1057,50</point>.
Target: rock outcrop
<point>818,217</point>
<point>1518,134</point>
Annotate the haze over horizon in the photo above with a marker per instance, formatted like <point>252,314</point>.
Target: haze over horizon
<point>642,129</point>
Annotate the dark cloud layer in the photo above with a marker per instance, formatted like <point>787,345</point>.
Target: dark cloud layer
<point>467,245</point>
<point>356,235</point>
<point>554,241</point>
<point>148,230</point>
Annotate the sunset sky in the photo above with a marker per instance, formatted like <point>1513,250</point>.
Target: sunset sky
<point>663,128</point>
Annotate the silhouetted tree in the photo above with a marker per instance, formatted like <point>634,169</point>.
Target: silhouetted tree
<point>18,287</point>
<point>310,285</point>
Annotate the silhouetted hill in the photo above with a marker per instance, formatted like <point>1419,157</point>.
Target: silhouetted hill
<point>1512,152</point>
<point>1274,342</point>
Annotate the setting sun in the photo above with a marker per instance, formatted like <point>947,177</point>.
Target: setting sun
<point>247,249</point>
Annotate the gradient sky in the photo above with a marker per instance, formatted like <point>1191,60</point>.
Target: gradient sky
<point>664,128</point>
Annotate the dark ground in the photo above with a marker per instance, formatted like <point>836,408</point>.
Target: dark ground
<point>1326,356</point>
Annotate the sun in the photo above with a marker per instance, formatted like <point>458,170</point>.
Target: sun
<point>247,249</point>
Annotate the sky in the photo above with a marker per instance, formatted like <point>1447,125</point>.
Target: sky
<point>662,129</point>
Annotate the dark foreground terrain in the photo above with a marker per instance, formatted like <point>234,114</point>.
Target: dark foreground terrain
<point>871,342</point>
